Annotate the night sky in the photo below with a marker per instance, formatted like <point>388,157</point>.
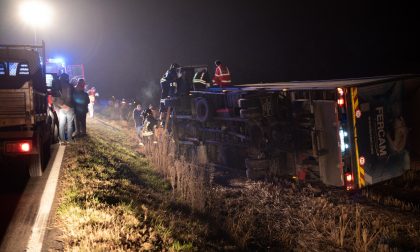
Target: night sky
<point>127,45</point>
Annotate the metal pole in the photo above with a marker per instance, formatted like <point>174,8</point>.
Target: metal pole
<point>35,36</point>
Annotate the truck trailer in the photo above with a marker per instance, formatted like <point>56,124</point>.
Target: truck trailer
<point>348,133</point>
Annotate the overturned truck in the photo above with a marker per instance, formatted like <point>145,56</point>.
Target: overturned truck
<point>349,133</point>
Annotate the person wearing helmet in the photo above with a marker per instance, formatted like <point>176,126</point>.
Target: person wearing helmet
<point>168,79</point>
<point>81,101</point>
<point>167,85</point>
<point>221,75</point>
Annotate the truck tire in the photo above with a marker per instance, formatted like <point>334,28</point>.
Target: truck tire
<point>248,103</point>
<point>47,149</point>
<point>54,133</point>
<point>37,161</point>
<point>203,110</point>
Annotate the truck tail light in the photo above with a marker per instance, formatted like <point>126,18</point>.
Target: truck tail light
<point>19,147</point>
<point>340,101</point>
<point>349,177</point>
<point>349,182</point>
<point>25,147</point>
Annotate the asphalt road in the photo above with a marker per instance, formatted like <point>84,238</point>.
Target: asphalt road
<point>20,198</point>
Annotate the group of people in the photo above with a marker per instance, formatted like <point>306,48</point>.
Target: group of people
<point>144,120</point>
<point>72,104</point>
<point>221,77</point>
<point>201,80</point>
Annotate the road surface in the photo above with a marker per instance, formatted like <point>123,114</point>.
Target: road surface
<point>23,217</point>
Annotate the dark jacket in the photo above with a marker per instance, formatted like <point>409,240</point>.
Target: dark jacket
<point>65,95</point>
<point>169,76</point>
<point>138,117</point>
<point>81,101</point>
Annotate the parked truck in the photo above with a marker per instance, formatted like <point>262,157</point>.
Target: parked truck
<point>26,122</point>
<point>350,132</point>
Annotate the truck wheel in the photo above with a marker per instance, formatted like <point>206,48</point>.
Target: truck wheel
<point>47,150</point>
<point>247,103</point>
<point>203,110</point>
<point>54,133</point>
<point>37,161</point>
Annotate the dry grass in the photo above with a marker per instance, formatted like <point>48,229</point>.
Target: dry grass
<point>111,200</point>
<point>189,180</point>
<point>255,215</point>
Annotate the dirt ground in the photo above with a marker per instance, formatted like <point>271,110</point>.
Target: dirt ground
<point>109,179</point>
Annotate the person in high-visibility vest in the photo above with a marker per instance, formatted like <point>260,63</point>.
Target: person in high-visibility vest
<point>201,80</point>
<point>221,75</point>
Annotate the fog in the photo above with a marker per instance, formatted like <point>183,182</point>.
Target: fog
<point>126,46</point>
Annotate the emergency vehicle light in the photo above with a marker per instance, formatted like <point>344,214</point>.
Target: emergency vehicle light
<point>340,91</point>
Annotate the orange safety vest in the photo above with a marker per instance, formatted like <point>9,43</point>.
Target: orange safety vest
<point>222,76</point>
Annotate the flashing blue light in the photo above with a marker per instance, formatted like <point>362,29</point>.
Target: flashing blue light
<point>57,60</point>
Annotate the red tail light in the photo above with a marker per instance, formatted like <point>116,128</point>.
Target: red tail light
<point>340,101</point>
<point>25,147</point>
<point>349,182</point>
<point>349,177</point>
<point>19,147</point>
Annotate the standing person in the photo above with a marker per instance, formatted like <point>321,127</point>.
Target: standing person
<point>92,96</point>
<point>123,109</point>
<point>201,80</point>
<point>138,121</point>
<point>66,113</point>
<point>81,102</point>
<point>116,114</point>
<point>149,120</point>
<point>167,84</point>
<point>221,75</point>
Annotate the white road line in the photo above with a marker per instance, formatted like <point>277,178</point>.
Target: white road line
<point>40,225</point>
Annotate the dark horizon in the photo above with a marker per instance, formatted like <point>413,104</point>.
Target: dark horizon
<point>127,45</point>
